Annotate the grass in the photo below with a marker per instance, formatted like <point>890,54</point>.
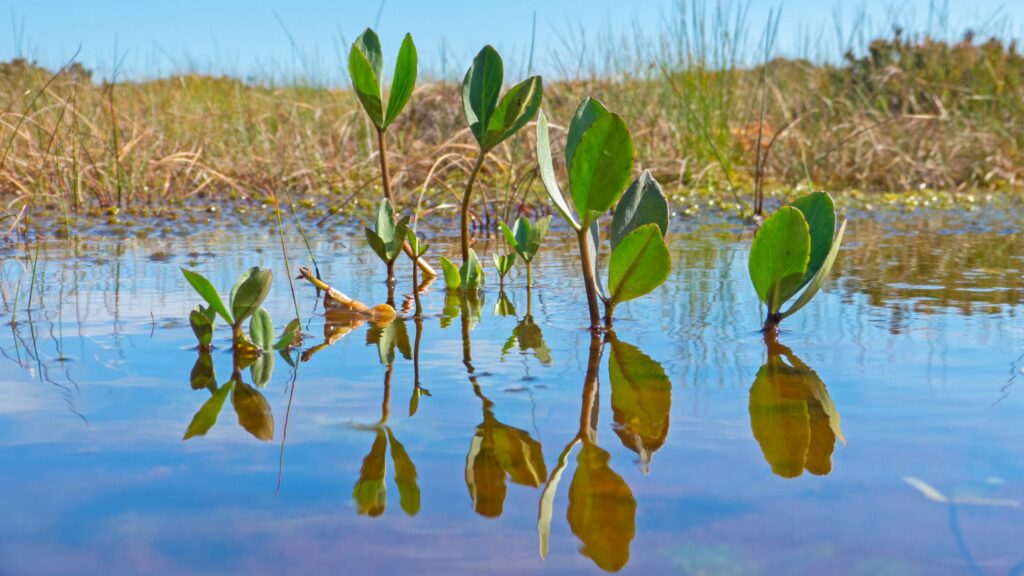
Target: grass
<point>904,113</point>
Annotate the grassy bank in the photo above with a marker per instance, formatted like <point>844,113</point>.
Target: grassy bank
<point>912,113</point>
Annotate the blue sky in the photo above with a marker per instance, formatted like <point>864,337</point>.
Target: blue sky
<point>261,38</point>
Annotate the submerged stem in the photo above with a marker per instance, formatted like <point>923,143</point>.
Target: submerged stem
<point>464,212</point>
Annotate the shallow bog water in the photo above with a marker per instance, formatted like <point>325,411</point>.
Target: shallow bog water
<point>884,435</point>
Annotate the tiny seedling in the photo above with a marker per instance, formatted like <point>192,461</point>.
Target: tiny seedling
<point>492,121</point>
<point>794,250</point>
<point>419,248</point>
<point>503,264</point>
<point>468,278</point>
<point>599,159</point>
<point>525,239</point>
<point>386,239</point>
<point>202,320</point>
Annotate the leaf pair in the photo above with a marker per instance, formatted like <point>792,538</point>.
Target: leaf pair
<point>493,121</point>
<point>247,295</point>
<point>525,238</point>
<point>795,248</point>
<point>202,321</point>
<point>468,277</point>
<point>387,236</point>
<point>365,68</point>
<point>503,263</point>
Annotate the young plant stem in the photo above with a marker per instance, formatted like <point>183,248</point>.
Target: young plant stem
<point>771,325</point>
<point>589,281</point>
<point>609,312</point>
<point>529,300</point>
<point>465,204</point>
<point>385,176</point>
<point>529,275</point>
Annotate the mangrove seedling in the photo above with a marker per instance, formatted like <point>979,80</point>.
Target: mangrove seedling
<point>419,248</point>
<point>202,320</point>
<point>794,250</point>
<point>247,295</point>
<point>468,278</point>
<point>599,159</point>
<point>525,238</point>
<point>386,239</point>
<point>492,121</point>
<point>365,68</point>
<point>503,264</point>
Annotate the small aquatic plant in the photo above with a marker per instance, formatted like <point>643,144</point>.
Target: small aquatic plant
<point>794,248</point>
<point>599,159</point>
<point>503,263</point>
<point>525,239</point>
<point>492,121</point>
<point>466,278</point>
<point>247,296</point>
<point>419,248</point>
<point>386,239</point>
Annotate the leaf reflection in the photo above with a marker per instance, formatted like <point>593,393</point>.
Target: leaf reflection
<point>641,399</point>
<point>792,416</point>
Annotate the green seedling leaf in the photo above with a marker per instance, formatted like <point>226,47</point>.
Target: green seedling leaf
<point>472,273</point>
<point>261,329</point>
<point>370,492</point>
<point>586,114</point>
<point>206,417</point>
<point>202,324</point>
<point>419,248</point>
<point>480,90</point>
<point>253,412</point>
<point>779,256</point>
<point>403,81</point>
<point>452,276</point>
<point>643,203</point>
<point>203,374</point>
<point>525,238</point>
<point>600,168</point>
<point>208,293</point>
<point>249,292</point>
<point>639,264</point>
<point>517,107</point>
<point>365,64</point>
<point>819,279</point>
<point>820,212</point>
<point>547,171</point>
<point>504,263</point>
<point>289,335</point>
<point>405,476</point>
<point>641,399</point>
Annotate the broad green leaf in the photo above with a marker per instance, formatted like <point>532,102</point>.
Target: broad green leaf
<point>419,248</point>
<point>639,264</point>
<point>209,293</point>
<point>385,225</point>
<point>504,263</point>
<point>249,292</point>
<point>547,171</point>
<point>404,80</point>
<point>452,276</point>
<point>641,399</point>
<point>535,237</point>
<point>376,244</point>
<point>779,256</point>
<point>398,238</point>
<point>203,374</point>
<point>601,166</point>
<point>586,114</point>
<point>480,90</point>
<point>602,510</point>
<point>261,329</point>
<point>365,63</point>
<point>819,279</point>
<point>510,235</point>
<point>201,324</point>
<point>820,213</point>
<point>206,417</point>
<point>517,107</point>
<point>472,273</point>
<point>262,369</point>
<point>370,492</point>
<point>643,203</point>
<point>793,417</point>
<point>289,334</point>
<point>253,411</point>
<point>405,476</point>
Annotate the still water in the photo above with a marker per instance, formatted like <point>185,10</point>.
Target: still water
<point>883,435</point>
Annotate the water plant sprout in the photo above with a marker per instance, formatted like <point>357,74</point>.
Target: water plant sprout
<point>794,248</point>
<point>599,159</point>
<point>419,248</point>
<point>503,263</point>
<point>525,238</point>
<point>386,239</point>
<point>247,296</point>
<point>365,69</point>
<point>492,121</point>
